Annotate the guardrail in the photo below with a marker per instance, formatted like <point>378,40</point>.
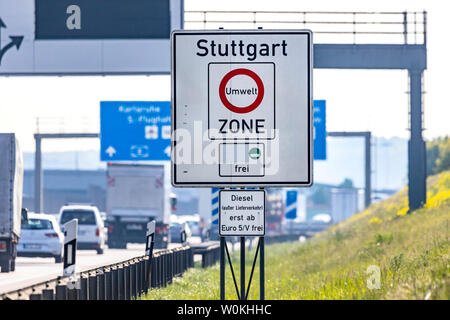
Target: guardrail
<point>128,279</point>
<point>210,252</point>
<point>125,280</point>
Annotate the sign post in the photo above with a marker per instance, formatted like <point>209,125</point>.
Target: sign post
<point>241,213</point>
<point>70,247</point>
<point>242,118</point>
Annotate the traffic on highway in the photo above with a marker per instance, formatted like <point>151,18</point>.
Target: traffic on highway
<point>222,157</point>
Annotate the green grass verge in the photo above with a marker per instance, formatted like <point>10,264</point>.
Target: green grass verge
<point>411,251</point>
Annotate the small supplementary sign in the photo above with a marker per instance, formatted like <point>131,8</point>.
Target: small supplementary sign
<point>242,212</point>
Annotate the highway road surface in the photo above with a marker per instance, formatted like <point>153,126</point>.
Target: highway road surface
<point>34,270</point>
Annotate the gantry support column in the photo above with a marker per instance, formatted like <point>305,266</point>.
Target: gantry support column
<point>417,190</point>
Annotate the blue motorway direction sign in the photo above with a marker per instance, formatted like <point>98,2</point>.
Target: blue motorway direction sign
<point>134,130</point>
<point>320,130</point>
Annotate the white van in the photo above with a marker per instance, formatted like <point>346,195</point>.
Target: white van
<point>91,229</point>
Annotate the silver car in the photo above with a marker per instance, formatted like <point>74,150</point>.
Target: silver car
<point>41,237</point>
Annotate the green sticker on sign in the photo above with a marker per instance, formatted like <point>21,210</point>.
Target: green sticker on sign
<point>254,153</point>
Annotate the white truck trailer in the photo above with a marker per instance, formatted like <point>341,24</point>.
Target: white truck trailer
<point>11,184</point>
<point>135,195</point>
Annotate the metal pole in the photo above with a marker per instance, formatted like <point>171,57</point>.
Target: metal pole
<point>61,292</point>
<point>38,175</point>
<point>73,294</point>
<point>261,270</point>
<point>222,268</point>
<point>368,182</point>
<point>101,285</point>
<point>133,281</point>
<point>47,294</point>
<point>84,288</point>
<point>36,296</point>
<point>92,293</point>
<point>153,279</point>
<point>242,268</point>
<point>416,147</point>
<point>127,282</point>
<point>405,27</point>
<point>121,283</point>
<point>425,28</point>
<point>109,285</point>
<point>115,284</point>
<point>138,278</point>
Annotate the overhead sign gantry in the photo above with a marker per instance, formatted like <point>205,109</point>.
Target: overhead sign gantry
<point>87,37</point>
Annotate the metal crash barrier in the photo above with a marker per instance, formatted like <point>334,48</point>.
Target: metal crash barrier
<point>210,252</point>
<point>125,280</point>
<point>128,279</point>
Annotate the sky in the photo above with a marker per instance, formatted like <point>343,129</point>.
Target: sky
<point>357,100</point>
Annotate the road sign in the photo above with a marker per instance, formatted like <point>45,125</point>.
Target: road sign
<point>102,19</point>
<point>134,131</point>
<point>62,37</point>
<point>215,206</point>
<point>291,204</point>
<point>320,130</point>
<point>242,108</point>
<point>70,247</point>
<point>242,212</point>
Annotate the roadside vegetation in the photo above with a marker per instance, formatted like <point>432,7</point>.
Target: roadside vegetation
<point>407,253</point>
<point>438,155</point>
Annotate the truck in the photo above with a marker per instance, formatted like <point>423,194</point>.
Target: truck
<point>135,195</point>
<point>11,188</point>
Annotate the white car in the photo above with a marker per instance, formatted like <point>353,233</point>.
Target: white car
<point>41,237</point>
<point>194,223</point>
<point>91,229</point>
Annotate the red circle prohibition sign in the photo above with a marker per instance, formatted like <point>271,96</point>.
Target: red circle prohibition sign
<point>231,106</point>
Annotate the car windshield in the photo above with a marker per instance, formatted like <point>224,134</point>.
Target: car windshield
<point>175,226</point>
<point>85,217</point>
<point>37,224</point>
<point>192,224</point>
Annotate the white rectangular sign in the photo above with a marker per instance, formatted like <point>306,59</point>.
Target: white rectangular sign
<point>65,37</point>
<point>242,108</point>
<point>242,212</point>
